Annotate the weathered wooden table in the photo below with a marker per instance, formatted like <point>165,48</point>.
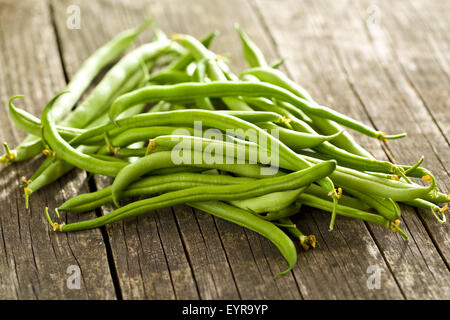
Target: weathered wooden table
<point>384,63</point>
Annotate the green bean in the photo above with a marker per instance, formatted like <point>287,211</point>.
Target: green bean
<point>377,186</point>
<point>297,140</point>
<point>269,202</point>
<point>222,119</point>
<point>276,64</point>
<point>100,97</point>
<point>195,47</point>
<point>344,199</point>
<point>24,151</point>
<point>316,202</point>
<point>170,77</point>
<point>438,212</point>
<point>327,126</point>
<point>252,53</point>
<point>250,221</point>
<point>289,211</point>
<point>65,151</point>
<point>165,159</point>
<point>200,76</point>
<point>267,105</point>
<point>147,186</point>
<point>235,88</point>
<point>206,193</point>
<point>81,80</point>
<point>384,206</point>
<point>131,152</point>
<point>204,56</point>
<point>305,241</point>
<point>32,125</point>
<point>52,170</point>
<point>182,62</point>
<point>132,135</point>
<point>417,172</point>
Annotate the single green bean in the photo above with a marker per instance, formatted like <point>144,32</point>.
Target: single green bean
<point>275,201</point>
<point>289,211</point>
<point>387,207</point>
<point>438,212</point>
<point>305,241</point>
<point>200,76</point>
<point>252,53</point>
<point>132,135</point>
<point>234,88</point>
<point>170,77</point>
<point>32,125</point>
<point>316,202</point>
<point>297,140</point>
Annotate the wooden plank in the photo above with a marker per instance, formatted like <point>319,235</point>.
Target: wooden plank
<point>34,260</point>
<point>423,54</point>
<point>347,258</point>
<point>419,59</point>
<point>148,255</point>
<point>430,142</point>
<point>208,260</point>
<point>246,252</point>
<point>330,51</point>
<point>432,17</point>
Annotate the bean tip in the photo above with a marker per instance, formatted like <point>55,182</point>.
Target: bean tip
<point>27,192</point>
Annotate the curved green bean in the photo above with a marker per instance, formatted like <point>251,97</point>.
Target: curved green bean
<point>204,193</point>
<point>234,88</point>
<point>147,186</point>
<point>275,201</point>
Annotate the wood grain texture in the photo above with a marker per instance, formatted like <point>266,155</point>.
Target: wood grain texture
<point>34,260</point>
<point>360,80</point>
<point>386,65</point>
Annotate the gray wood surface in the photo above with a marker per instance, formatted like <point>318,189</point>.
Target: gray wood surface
<point>385,64</point>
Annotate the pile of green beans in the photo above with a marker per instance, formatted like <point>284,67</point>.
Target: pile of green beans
<point>157,122</point>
